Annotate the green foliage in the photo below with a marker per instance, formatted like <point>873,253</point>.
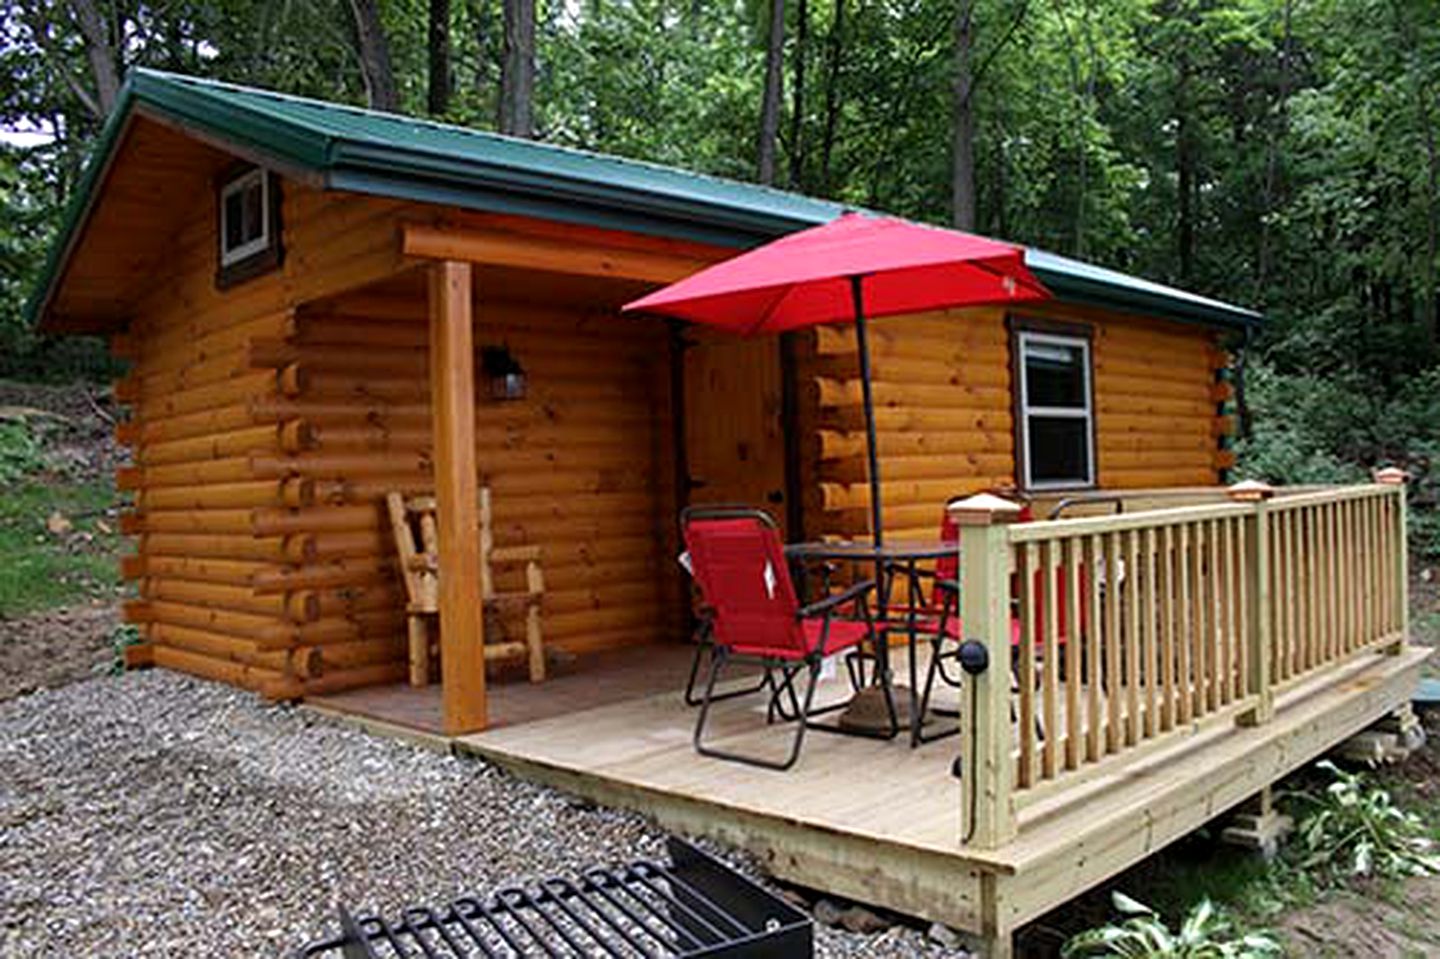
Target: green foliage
<point>20,452</point>
<point>1205,933</point>
<point>122,637</point>
<point>1354,829</point>
<point>45,568</point>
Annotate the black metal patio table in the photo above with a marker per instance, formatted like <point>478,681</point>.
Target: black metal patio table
<point>894,560</point>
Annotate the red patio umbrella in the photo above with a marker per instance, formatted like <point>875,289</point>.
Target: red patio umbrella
<point>855,267</point>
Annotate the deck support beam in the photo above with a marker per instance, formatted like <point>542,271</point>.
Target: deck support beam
<point>452,387</point>
<point>573,255</point>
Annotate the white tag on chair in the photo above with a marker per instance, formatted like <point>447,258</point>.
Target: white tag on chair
<point>684,560</point>
<point>769,579</point>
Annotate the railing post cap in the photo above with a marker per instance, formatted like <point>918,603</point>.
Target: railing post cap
<point>1250,491</point>
<point>984,509</point>
<point>1392,476</point>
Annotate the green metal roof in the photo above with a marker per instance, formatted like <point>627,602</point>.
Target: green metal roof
<point>348,148</point>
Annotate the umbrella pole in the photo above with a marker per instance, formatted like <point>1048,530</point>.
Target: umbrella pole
<point>863,342</point>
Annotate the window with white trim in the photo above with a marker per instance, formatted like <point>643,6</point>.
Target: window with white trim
<point>1056,423</point>
<point>245,228</point>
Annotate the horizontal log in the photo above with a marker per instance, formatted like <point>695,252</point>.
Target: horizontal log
<point>212,446</point>
<point>335,681</point>
<point>301,663</point>
<point>316,519</point>
<point>357,573</point>
<point>219,670</point>
<point>217,496</point>
<point>226,572</point>
<point>213,546</point>
<point>220,521</point>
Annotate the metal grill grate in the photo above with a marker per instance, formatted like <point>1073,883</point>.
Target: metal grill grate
<point>694,907</point>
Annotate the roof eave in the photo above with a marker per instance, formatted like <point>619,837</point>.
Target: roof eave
<point>1089,292</point>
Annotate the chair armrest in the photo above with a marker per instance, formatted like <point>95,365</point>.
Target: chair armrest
<point>949,585</point>
<point>830,603</point>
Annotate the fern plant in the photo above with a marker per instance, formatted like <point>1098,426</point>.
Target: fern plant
<point>1355,829</point>
<point>1205,933</point>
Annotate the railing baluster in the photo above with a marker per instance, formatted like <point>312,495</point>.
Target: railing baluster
<point>1214,619</point>
<point>1167,626</point>
<point>1147,624</point>
<point>1112,643</point>
<point>1131,599</point>
<point>1025,570</point>
<point>1094,652</point>
<point>1186,638</point>
<point>1073,645</point>
<point>1050,660</point>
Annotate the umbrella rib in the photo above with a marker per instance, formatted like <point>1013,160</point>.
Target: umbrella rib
<point>769,311</point>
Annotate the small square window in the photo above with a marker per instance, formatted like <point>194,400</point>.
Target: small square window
<point>248,227</point>
<point>1055,424</point>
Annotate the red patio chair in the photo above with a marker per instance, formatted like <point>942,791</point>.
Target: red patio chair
<point>739,563</point>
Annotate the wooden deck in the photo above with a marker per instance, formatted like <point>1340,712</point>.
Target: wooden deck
<point>595,679</point>
<point>881,823</point>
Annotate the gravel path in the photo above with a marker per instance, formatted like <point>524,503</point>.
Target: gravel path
<point>156,815</point>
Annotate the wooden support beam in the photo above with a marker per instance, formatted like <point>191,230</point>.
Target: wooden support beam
<point>525,251</point>
<point>452,385</point>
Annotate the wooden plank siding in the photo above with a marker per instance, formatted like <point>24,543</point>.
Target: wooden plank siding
<point>945,420</point>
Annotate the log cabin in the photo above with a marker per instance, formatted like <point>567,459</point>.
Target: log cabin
<point>321,305</point>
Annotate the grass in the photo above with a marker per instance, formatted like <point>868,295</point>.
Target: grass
<point>43,569</point>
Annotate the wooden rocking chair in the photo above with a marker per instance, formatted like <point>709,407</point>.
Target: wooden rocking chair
<point>412,521</point>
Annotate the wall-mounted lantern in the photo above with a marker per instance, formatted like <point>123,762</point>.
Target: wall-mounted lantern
<point>503,372</point>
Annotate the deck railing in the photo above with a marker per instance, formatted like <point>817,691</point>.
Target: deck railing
<point>1123,632</point>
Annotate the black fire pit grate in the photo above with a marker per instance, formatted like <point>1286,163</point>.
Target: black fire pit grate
<point>696,906</point>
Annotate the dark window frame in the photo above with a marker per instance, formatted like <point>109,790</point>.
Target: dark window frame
<point>267,258</point>
<point>1082,334</point>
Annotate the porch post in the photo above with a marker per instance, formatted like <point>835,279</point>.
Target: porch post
<point>452,411</point>
<point>987,773</point>
<point>1258,607</point>
<point>1396,478</point>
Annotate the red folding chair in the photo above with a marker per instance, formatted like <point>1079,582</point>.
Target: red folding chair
<point>739,564</point>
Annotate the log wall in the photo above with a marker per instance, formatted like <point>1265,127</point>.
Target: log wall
<point>267,423</point>
<point>945,420</point>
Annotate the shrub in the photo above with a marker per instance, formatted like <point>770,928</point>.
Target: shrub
<point>19,451</point>
<point>1355,829</point>
<point>1205,933</point>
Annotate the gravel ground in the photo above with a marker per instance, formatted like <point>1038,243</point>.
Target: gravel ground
<point>156,815</point>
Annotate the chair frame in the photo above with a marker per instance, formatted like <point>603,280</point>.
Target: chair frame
<point>780,673</point>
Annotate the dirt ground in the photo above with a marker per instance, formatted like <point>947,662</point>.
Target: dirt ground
<point>55,647</point>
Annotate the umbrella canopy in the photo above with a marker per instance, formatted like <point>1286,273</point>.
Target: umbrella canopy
<point>804,279</point>
<point>855,266</point>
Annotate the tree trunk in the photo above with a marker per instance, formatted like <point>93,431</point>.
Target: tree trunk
<point>834,57</point>
<point>1270,185</point>
<point>100,51</point>
<point>962,171</point>
<point>517,70</point>
<point>1185,173</point>
<point>373,49</point>
<point>438,91</point>
<point>797,96</point>
<point>774,81</point>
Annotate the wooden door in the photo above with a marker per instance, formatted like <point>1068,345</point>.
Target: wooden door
<point>734,429</point>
